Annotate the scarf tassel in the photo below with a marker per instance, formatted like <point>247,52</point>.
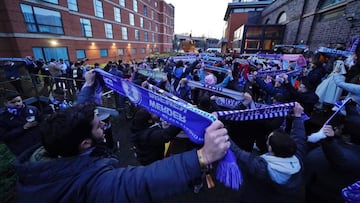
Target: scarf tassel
<point>228,171</point>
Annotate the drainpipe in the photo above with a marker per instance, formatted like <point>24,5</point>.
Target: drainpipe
<point>300,22</point>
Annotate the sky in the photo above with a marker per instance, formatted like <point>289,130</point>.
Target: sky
<point>200,17</point>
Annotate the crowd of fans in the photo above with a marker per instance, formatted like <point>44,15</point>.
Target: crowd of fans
<point>282,159</point>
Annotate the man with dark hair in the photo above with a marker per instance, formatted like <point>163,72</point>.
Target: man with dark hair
<point>280,144</point>
<point>19,128</point>
<point>277,175</point>
<point>149,137</point>
<point>72,167</point>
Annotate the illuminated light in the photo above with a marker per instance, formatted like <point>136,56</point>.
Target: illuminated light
<point>92,43</point>
<point>129,45</point>
<point>53,42</point>
<point>113,44</point>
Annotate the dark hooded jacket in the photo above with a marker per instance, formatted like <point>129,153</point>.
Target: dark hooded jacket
<point>89,178</point>
<point>259,186</point>
<point>149,139</point>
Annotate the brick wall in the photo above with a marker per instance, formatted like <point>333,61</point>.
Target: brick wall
<point>305,24</point>
<point>22,45</point>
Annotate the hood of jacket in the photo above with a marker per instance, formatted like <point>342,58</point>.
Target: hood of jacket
<point>56,179</point>
<point>281,169</point>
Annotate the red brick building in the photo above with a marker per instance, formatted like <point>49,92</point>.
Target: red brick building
<point>237,14</point>
<point>100,30</point>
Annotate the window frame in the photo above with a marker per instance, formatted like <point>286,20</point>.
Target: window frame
<point>117,14</point>
<point>83,30</point>
<point>32,20</point>
<point>131,19</point>
<point>124,32</point>
<point>77,55</point>
<point>121,52</point>
<point>141,22</point>
<point>137,35</point>
<point>98,8</point>
<point>133,51</point>
<point>108,31</point>
<point>122,3</point>
<point>101,51</point>
<point>146,36</point>
<point>72,4</point>
<point>135,6</point>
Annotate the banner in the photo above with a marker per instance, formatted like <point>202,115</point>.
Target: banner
<point>227,102</point>
<point>272,111</point>
<point>231,93</point>
<point>212,58</point>
<point>157,75</point>
<point>270,73</point>
<point>334,51</point>
<point>191,119</point>
<point>214,68</point>
<point>270,56</point>
<point>279,72</point>
<point>190,59</point>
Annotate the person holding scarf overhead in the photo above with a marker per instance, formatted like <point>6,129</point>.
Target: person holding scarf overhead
<point>275,176</point>
<point>19,128</point>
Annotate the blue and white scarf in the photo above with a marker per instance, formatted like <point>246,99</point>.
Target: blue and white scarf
<point>224,91</point>
<point>15,111</point>
<point>272,111</point>
<point>192,120</point>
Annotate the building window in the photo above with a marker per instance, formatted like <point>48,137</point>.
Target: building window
<point>146,37</point>
<point>159,38</point>
<point>80,54</point>
<point>108,31</point>
<point>131,19</point>
<point>135,6</point>
<point>156,4</point>
<point>165,30</point>
<point>98,9</point>
<point>282,18</point>
<point>332,15</point>
<point>141,22</point>
<point>149,25</point>
<point>103,52</point>
<point>137,35</point>
<point>153,37</point>
<point>145,10</point>
<point>327,3</point>
<point>152,14</point>
<point>48,53</point>
<point>72,5</point>
<point>143,50</point>
<point>124,33</point>
<point>151,50</point>
<point>120,52</point>
<point>52,1</point>
<point>85,27</point>
<point>156,28</point>
<point>42,20</point>
<point>133,51</point>
<point>117,15</point>
<point>122,3</point>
